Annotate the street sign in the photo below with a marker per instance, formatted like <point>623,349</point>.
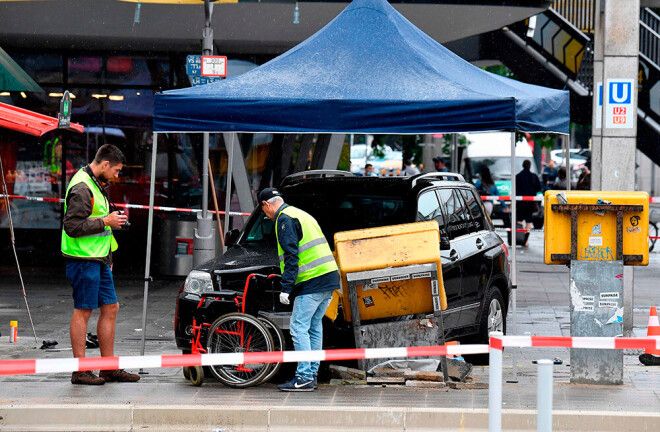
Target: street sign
<point>620,107</point>
<point>64,116</point>
<point>201,80</point>
<point>194,65</point>
<point>214,66</point>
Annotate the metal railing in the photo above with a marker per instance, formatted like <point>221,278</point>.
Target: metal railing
<point>649,35</point>
<point>579,12</point>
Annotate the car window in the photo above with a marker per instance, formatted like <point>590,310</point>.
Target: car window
<point>474,208</point>
<point>457,213</point>
<point>261,231</point>
<point>428,208</point>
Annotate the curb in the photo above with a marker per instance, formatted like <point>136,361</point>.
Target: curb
<point>102,418</point>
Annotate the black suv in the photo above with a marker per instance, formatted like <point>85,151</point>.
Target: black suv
<point>475,267</point>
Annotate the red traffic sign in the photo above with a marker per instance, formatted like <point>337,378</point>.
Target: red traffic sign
<point>214,66</point>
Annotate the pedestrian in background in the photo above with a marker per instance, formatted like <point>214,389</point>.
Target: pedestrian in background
<point>409,169</point>
<point>87,246</point>
<point>549,174</point>
<point>439,164</point>
<point>486,187</point>
<point>527,184</point>
<point>369,171</point>
<point>560,181</point>
<point>309,276</point>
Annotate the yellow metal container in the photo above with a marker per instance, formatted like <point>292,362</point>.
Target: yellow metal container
<point>384,247</point>
<point>596,234</point>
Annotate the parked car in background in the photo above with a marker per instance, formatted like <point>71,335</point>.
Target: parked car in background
<point>389,164</point>
<point>493,150</point>
<point>475,267</point>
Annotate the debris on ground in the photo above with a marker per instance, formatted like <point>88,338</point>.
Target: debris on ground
<point>48,344</point>
<point>346,373</point>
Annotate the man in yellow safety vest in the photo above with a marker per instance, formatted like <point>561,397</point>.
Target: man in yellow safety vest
<point>87,246</point>
<point>309,276</point>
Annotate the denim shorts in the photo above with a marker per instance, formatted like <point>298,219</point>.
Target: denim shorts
<point>92,284</point>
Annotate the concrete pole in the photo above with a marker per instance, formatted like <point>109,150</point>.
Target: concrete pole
<point>616,50</point>
<point>514,263</point>
<point>428,153</point>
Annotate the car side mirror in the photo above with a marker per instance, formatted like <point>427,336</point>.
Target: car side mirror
<point>444,243</point>
<point>232,237</point>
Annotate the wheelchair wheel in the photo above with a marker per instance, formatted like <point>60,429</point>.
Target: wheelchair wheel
<point>186,372</point>
<point>196,374</point>
<point>239,333</point>
<point>279,344</point>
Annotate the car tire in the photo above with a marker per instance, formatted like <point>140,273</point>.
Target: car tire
<point>493,318</point>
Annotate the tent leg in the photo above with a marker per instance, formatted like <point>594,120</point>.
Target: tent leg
<point>514,267</point>
<point>147,276</point>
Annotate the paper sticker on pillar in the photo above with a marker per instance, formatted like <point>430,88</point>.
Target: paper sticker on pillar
<point>620,110</point>
<point>368,301</point>
<point>608,304</point>
<point>595,241</point>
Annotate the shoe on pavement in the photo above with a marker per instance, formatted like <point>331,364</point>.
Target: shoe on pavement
<point>86,378</point>
<point>649,360</point>
<point>298,384</point>
<point>119,375</point>
<point>315,383</point>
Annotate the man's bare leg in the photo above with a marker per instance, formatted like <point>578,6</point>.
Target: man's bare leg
<point>105,329</point>
<point>78,331</point>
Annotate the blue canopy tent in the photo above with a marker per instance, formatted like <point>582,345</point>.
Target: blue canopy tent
<point>371,71</point>
<point>368,71</point>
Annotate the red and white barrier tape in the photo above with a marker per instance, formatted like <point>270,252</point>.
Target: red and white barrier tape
<point>24,367</point>
<point>507,198</point>
<point>575,342</point>
<point>132,206</point>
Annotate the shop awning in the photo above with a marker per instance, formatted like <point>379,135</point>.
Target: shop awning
<point>29,122</point>
<point>13,78</point>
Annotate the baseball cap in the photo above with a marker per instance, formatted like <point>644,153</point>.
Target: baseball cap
<point>267,194</point>
<point>438,159</point>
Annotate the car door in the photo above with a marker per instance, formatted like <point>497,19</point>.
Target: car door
<point>455,228</point>
<point>428,208</point>
<point>476,268</point>
<point>464,238</point>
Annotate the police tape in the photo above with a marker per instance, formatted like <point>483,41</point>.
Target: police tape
<point>507,198</point>
<point>59,365</point>
<point>130,206</point>
<point>38,366</point>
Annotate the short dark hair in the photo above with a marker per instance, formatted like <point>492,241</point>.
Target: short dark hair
<point>110,153</point>
<point>367,166</point>
<point>527,164</point>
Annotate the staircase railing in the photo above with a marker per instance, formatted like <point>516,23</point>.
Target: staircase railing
<point>580,13</point>
<point>649,35</point>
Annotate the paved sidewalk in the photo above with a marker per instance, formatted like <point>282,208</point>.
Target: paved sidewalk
<point>163,400</point>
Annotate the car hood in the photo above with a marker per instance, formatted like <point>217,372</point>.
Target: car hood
<point>243,257</point>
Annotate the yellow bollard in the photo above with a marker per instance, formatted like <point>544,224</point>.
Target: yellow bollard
<point>13,333</point>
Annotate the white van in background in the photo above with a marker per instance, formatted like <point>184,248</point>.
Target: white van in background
<point>493,150</point>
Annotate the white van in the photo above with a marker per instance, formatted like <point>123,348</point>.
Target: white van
<point>493,150</point>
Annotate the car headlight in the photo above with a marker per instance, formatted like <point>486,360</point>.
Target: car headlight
<point>198,282</point>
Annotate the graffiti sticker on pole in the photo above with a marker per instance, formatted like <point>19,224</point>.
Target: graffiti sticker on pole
<point>620,107</point>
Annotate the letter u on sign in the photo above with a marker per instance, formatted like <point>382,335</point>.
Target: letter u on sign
<point>620,92</point>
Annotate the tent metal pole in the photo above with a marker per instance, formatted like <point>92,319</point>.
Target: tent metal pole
<point>230,167</point>
<point>514,267</point>
<point>147,276</point>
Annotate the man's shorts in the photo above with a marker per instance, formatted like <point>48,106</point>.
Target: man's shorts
<point>92,284</point>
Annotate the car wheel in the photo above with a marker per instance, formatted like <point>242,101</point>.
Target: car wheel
<point>493,318</point>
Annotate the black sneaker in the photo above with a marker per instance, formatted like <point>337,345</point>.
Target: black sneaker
<point>86,378</point>
<point>298,384</point>
<point>649,360</point>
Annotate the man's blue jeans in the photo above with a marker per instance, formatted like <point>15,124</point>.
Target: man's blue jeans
<point>307,328</point>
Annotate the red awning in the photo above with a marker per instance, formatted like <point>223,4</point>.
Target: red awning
<point>30,122</point>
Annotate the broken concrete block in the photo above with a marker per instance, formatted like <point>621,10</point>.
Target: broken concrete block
<point>347,373</point>
<point>386,380</point>
<point>385,372</point>
<point>425,384</point>
<point>467,386</point>
<point>339,381</point>
<point>424,376</point>
<point>458,370</point>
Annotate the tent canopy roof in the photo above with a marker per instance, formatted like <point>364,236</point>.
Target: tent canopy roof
<point>29,122</point>
<point>368,70</point>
